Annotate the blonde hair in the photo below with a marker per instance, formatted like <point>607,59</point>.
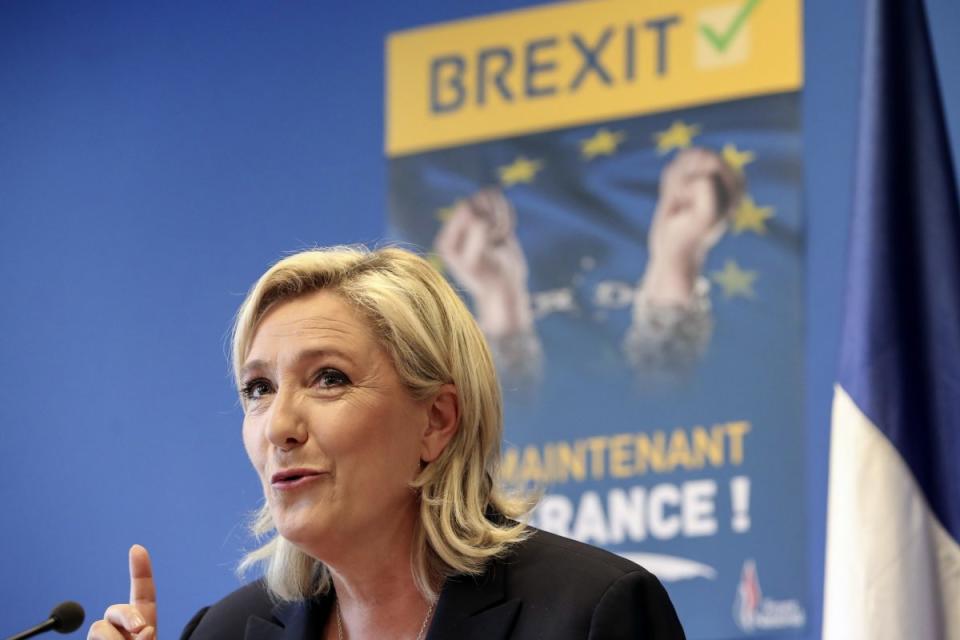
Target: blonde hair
<point>465,518</point>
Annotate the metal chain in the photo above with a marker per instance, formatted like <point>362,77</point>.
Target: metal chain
<point>420,636</point>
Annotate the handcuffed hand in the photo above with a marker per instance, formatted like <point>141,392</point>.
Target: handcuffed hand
<point>699,192</point>
<point>480,249</point>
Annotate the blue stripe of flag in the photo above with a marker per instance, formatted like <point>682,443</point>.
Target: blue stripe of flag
<point>901,341</point>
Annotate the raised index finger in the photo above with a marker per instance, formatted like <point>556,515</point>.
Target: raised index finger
<point>143,593</point>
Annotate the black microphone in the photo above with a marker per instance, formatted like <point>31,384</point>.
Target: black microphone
<point>65,617</point>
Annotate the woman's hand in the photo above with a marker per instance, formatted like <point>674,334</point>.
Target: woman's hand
<point>137,620</point>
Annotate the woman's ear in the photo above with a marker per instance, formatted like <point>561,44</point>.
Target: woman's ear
<point>443,421</point>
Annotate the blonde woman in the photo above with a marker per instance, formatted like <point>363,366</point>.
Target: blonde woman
<point>372,415</point>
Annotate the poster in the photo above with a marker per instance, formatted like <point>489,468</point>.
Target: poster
<point>615,188</point>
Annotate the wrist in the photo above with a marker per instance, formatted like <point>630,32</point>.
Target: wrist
<point>669,282</point>
<point>505,312</point>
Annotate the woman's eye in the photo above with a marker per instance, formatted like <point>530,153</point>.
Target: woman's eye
<point>327,378</point>
<point>256,389</point>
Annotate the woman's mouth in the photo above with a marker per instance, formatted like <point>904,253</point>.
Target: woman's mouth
<point>289,479</point>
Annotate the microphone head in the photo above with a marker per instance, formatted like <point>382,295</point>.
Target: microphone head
<point>67,617</point>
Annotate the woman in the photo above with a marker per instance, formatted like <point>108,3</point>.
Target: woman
<point>372,415</point>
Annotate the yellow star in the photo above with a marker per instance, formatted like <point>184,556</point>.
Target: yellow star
<point>750,217</point>
<point>735,281</point>
<point>521,170</point>
<point>678,136</point>
<point>736,158</point>
<point>603,143</point>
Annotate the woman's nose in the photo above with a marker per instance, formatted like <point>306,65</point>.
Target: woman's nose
<point>286,428</point>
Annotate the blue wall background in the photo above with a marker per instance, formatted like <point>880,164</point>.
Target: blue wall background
<point>153,160</point>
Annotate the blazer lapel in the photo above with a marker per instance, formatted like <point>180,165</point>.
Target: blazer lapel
<point>291,621</point>
<point>475,608</point>
<point>469,608</point>
<point>260,629</point>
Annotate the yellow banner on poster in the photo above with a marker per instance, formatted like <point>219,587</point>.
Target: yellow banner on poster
<point>569,64</point>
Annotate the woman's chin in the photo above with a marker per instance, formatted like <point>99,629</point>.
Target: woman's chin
<point>298,526</point>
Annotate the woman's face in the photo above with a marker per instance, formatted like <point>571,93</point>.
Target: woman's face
<point>330,429</point>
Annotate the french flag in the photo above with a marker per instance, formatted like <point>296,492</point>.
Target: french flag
<point>893,522</point>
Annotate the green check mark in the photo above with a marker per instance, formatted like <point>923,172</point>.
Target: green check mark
<point>721,41</point>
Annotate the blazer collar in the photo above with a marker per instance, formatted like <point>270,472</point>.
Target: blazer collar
<point>475,608</point>
<point>469,608</point>
<point>291,621</point>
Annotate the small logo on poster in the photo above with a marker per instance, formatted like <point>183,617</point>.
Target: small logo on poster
<point>753,612</point>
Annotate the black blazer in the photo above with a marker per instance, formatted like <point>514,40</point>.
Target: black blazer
<point>548,587</point>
